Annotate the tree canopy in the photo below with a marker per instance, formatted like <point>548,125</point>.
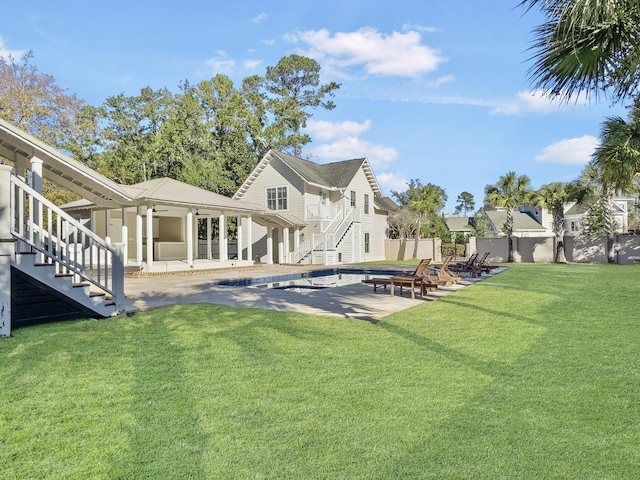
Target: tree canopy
<point>588,47</point>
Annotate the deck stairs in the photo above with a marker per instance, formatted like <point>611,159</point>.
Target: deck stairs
<point>59,259</point>
<point>325,245</point>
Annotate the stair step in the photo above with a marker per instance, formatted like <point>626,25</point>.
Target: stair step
<point>97,294</point>
<point>81,285</point>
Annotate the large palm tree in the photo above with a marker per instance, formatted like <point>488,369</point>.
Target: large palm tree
<point>510,191</point>
<point>599,192</point>
<point>554,196</point>
<point>587,46</point>
<point>425,202</point>
<point>616,164</point>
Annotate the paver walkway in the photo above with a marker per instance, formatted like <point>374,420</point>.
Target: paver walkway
<point>354,301</point>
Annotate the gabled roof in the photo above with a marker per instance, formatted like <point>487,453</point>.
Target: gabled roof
<point>458,224</point>
<point>386,203</point>
<point>16,144</point>
<point>167,191</point>
<point>521,221</point>
<point>332,176</point>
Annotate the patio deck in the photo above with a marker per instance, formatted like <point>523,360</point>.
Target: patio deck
<point>350,301</point>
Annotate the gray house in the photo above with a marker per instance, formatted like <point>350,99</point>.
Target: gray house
<point>320,213</point>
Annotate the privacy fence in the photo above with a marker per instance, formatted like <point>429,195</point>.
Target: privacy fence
<point>580,249</point>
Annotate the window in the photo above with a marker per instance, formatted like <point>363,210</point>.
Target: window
<point>366,203</point>
<point>366,243</point>
<point>353,199</point>
<point>277,198</point>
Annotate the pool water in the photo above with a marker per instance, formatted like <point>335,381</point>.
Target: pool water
<point>318,279</point>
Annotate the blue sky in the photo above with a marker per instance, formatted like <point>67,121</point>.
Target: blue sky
<point>430,89</point>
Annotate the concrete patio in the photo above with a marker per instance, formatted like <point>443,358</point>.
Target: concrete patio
<point>350,301</point>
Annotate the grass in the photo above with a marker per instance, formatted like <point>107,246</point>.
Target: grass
<point>530,374</point>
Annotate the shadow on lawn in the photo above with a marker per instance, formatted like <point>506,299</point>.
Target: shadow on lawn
<point>165,438</point>
<point>490,369</point>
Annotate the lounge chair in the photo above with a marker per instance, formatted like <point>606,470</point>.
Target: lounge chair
<point>470,266</point>
<point>442,275</point>
<point>484,265</point>
<point>416,278</point>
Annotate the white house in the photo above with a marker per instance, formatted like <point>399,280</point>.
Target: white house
<point>326,213</point>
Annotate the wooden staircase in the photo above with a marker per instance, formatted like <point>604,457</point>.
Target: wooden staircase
<point>60,269</point>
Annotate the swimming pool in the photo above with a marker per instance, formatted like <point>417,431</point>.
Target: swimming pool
<point>318,279</point>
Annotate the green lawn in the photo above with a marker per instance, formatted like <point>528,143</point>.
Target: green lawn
<point>534,373</point>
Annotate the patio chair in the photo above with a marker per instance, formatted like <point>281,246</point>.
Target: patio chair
<point>416,278</point>
<point>442,275</point>
<point>470,266</point>
<point>484,265</point>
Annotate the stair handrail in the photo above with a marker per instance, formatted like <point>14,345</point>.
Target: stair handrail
<point>90,262</point>
<point>302,251</point>
<point>347,221</point>
<point>335,221</point>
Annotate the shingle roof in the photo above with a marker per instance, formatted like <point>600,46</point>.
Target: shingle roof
<point>172,192</point>
<point>335,174</point>
<point>521,221</point>
<point>458,224</point>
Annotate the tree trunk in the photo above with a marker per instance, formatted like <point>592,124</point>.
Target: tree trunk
<point>611,251</point>
<point>510,233</point>
<point>559,230</point>
<point>609,224</point>
<point>415,245</point>
<point>560,253</point>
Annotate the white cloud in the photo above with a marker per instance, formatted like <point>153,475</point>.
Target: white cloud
<point>392,181</point>
<point>221,64</point>
<point>573,151</point>
<point>324,130</point>
<point>397,54</point>
<point>536,101</point>
<point>259,18</point>
<point>6,53</point>
<point>252,64</point>
<point>419,28</point>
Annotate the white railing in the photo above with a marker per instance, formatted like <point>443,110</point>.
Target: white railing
<point>60,240</point>
<point>352,216</point>
<point>305,248</point>
<point>335,221</point>
<point>320,211</point>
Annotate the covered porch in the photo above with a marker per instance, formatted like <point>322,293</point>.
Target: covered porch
<point>170,226</point>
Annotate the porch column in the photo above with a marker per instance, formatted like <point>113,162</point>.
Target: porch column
<point>269,245</point>
<point>36,174</point>
<point>149,237</point>
<point>125,237</point>
<point>222,227</point>
<point>36,184</point>
<point>190,238</point>
<point>296,238</point>
<point>249,240</point>
<point>240,239</point>
<point>280,245</point>
<point>7,246</point>
<point>208,238</point>
<point>287,251</point>
<point>139,236</point>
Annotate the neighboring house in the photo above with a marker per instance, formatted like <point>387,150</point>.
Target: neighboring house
<point>326,213</point>
<point>459,225</point>
<point>524,225</point>
<point>575,216</point>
